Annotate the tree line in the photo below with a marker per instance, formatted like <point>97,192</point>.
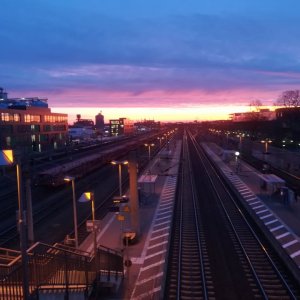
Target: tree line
<point>289,98</point>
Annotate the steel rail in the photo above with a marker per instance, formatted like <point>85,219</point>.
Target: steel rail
<point>254,235</point>
<point>196,207</point>
<point>186,249</point>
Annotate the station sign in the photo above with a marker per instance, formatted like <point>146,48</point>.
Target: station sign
<point>120,199</point>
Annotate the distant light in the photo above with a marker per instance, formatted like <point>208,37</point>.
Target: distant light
<point>237,153</point>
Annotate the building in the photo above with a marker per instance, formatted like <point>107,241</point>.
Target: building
<point>3,95</point>
<point>83,123</point>
<point>27,124</point>
<point>99,122</point>
<point>289,118</point>
<point>121,126</point>
<point>82,129</point>
<point>261,115</point>
<point>147,125</point>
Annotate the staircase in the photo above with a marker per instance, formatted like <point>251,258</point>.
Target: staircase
<point>58,272</point>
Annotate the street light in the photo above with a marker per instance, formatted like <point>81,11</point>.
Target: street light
<point>72,179</point>
<point>120,163</point>
<point>149,149</point>
<point>7,159</point>
<point>89,197</point>
<point>266,142</point>
<point>160,138</point>
<point>240,136</point>
<point>236,153</point>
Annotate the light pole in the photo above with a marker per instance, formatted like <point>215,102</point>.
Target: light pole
<point>240,136</point>
<point>160,138</point>
<point>72,179</point>
<point>266,142</point>
<point>149,149</point>
<point>7,159</point>
<point>89,197</point>
<point>236,153</point>
<point>120,163</point>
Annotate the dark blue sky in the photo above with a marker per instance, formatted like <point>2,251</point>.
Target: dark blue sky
<point>149,53</point>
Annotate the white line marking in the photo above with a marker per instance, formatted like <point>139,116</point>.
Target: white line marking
<point>246,193</point>
<point>159,236</point>
<point>155,254</point>
<point>250,195</point>
<point>261,211</point>
<point>147,295</point>
<point>163,218</point>
<point>150,278</point>
<point>164,208</point>
<point>162,223</point>
<point>278,237</point>
<point>271,222</point>
<point>153,265</point>
<point>297,253</point>
<point>254,202</point>
<point>161,229</point>
<point>276,228</point>
<point>158,244</point>
<point>259,206</point>
<point>163,213</point>
<point>289,243</point>
<point>266,216</point>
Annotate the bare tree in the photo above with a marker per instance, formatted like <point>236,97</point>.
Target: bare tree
<point>256,104</point>
<point>289,98</point>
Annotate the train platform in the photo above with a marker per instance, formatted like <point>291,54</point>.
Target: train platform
<point>144,275</point>
<point>276,208</point>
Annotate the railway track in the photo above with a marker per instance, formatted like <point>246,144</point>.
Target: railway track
<point>188,269</point>
<point>57,202</point>
<point>217,251</point>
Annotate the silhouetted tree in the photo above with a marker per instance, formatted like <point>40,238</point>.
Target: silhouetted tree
<point>256,104</point>
<point>289,98</point>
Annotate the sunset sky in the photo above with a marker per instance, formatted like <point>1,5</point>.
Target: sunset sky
<point>158,59</point>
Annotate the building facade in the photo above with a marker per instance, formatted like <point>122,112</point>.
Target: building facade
<point>261,115</point>
<point>121,126</point>
<point>99,118</point>
<point>27,124</point>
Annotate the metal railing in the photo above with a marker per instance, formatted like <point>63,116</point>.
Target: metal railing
<point>59,268</point>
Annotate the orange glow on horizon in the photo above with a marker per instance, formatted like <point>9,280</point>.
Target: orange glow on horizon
<point>164,114</point>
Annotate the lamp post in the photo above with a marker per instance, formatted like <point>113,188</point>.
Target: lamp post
<point>149,149</point>
<point>240,136</point>
<point>120,163</point>
<point>160,138</point>
<point>72,179</point>
<point>6,159</point>
<point>236,153</point>
<point>266,142</point>
<point>89,197</point>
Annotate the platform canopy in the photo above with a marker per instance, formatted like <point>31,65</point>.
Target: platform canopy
<point>147,179</point>
<point>272,179</point>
